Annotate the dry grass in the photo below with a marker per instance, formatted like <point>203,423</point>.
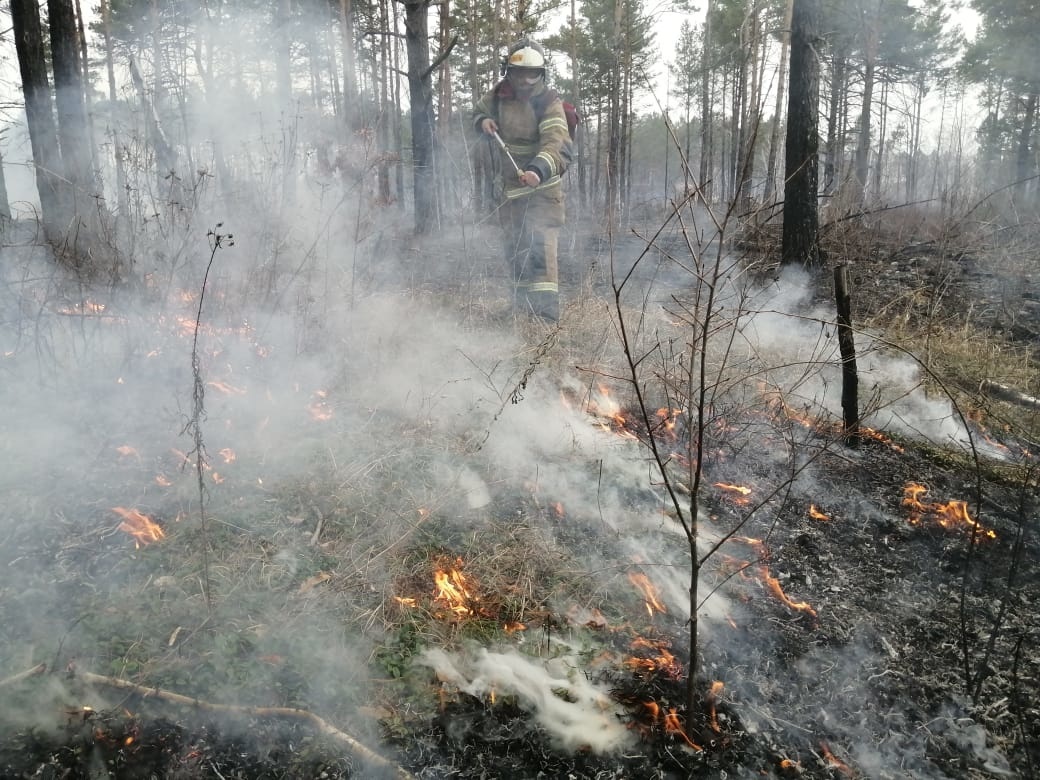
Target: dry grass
<point>322,584</point>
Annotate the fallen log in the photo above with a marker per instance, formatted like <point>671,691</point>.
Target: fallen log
<point>320,725</point>
<point>36,670</point>
<point>1008,394</point>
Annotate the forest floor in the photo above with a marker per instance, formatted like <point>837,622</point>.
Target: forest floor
<point>452,594</point>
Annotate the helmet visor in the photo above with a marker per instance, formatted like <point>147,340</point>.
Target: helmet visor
<point>525,77</point>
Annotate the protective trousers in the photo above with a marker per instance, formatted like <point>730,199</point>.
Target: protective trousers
<point>532,252</point>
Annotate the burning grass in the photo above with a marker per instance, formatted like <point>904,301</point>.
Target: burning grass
<point>494,586</point>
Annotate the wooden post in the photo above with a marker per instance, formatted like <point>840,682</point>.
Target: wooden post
<point>847,346</point>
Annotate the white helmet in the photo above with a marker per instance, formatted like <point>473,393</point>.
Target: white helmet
<point>525,54</point>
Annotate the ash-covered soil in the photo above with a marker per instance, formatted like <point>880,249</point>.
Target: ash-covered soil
<point>867,631</point>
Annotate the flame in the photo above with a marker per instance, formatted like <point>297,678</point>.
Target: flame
<point>605,407</point>
<point>664,661</point>
<point>83,307</point>
<point>138,525</point>
<point>405,601</point>
<point>834,763</point>
<point>951,515</point>
<point>870,433</point>
<point>816,514</point>
<point>673,725</point>
<point>126,450</point>
<point>224,387</point>
<point>643,584</point>
<point>513,626</point>
<point>590,618</point>
<point>713,697</point>
<point>739,493</point>
<point>454,590</point>
<point>670,721</point>
<point>319,408</point>
<point>669,420</point>
<point>773,585</point>
<point>228,455</point>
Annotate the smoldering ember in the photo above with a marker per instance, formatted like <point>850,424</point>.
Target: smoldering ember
<point>505,390</point>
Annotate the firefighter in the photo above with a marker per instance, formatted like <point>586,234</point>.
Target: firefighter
<point>527,127</point>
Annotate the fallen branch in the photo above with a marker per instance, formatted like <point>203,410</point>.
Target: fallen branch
<point>291,713</point>
<point>1008,394</point>
<point>38,669</point>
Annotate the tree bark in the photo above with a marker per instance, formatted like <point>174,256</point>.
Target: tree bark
<point>113,96</point>
<point>847,347</point>
<point>781,84</point>
<point>5,204</point>
<point>833,165</point>
<point>800,242</point>
<point>1024,158</point>
<point>869,65</point>
<point>39,112</point>
<point>704,171</point>
<point>350,87</point>
<point>420,93</point>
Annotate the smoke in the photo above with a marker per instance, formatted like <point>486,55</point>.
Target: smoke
<point>797,341</point>
<point>577,714</point>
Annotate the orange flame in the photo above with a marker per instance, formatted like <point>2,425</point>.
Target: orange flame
<point>454,590</point>
<point>319,408</point>
<point>951,515</point>
<point>834,763</point>
<point>713,697</point>
<point>642,582</point>
<point>738,494</point>
<point>141,527</point>
<point>816,514</point>
<point>224,387</point>
<point>673,725</point>
<point>773,585</point>
<point>670,721</point>
<point>664,662</point>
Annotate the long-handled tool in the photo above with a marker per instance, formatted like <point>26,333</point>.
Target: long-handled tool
<point>519,171</point>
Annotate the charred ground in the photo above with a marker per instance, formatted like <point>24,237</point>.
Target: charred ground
<point>916,658</point>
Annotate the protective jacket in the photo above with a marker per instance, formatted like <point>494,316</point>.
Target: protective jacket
<point>535,132</point>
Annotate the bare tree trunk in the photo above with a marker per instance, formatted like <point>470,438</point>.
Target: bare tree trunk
<point>914,152</point>
<point>576,99</point>
<point>749,99</point>
<point>778,110</point>
<point>879,164</point>
<point>113,95</point>
<point>5,204</point>
<point>73,131</point>
<point>350,86</point>
<point>869,64</point>
<point>420,91</point>
<point>704,172</point>
<point>800,243</point>
<point>396,106</point>
<point>614,121</point>
<point>84,63</point>
<point>1024,165</point>
<point>207,39</point>
<point>286,102</point>
<point>832,170</point>
<point>39,111</point>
